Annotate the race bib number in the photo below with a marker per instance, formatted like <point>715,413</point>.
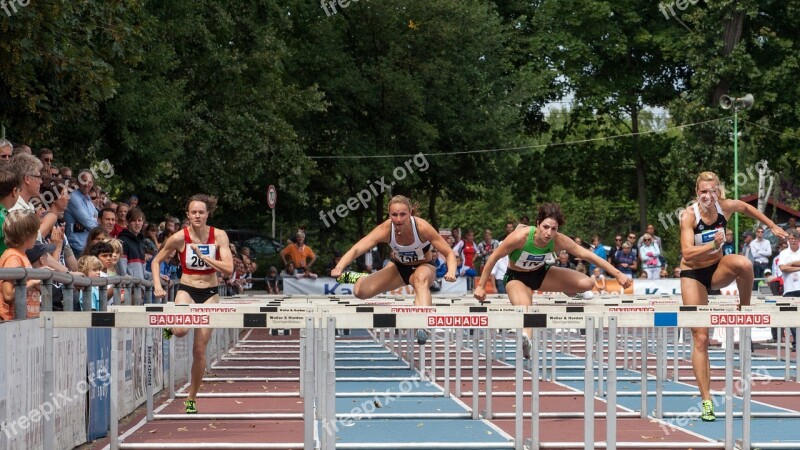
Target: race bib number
<point>193,260</point>
<point>706,236</point>
<point>407,257</point>
<point>529,261</point>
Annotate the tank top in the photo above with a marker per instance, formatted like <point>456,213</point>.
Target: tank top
<point>703,232</point>
<point>408,254</point>
<point>190,262</point>
<point>530,257</point>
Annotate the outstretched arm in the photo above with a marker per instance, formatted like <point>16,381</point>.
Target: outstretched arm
<point>746,208</point>
<point>376,236</point>
<point>565,243</point>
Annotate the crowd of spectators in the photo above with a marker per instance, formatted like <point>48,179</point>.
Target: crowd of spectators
<point>50,219</point>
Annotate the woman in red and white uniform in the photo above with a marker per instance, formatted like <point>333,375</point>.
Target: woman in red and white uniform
<point>203,251</point>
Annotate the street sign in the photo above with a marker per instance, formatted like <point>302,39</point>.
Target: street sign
<point>272,196</point>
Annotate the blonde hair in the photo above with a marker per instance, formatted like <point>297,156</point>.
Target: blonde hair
<point>412,207</point>
<point>712,177</point>
<point>116,244</point>
<point>87,263</point>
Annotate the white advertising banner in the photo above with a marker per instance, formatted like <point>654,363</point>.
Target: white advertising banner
<point>329,286</point>
<point>669,286</point>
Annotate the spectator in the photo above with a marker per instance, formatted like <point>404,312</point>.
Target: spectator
<point>273,281</point>
<point>599,249</point>
<point>96,235</point>
<point>634,244</point>
<point>728,248</point>
<point>28,168</point>
<point>168,270</point>
<point>676,272</point>
<point>747,238</point>
<point>487,245</point>
<point>599,281</point>
<point>300,254</point>
<point>92,268</point>
<point>438,262</point>
<point>617,247</point>
<point>649,253</point>
<point>525,220</point>
<point>289,271</point>
<point>336,257</point>
<point>790,267</point>
<point>108,218</point>
<point>456,235</point>
<point>499,273</point>
<point>81,215</point>
<point>462,270</point>
<point>116,255</point>
<point>56,197</point>
<point>151,238</point>
<point>508,230</point>
<point>22,149</point>
<point>9,191</point>
<point>761,249</point>
<point>563,260</point>
<point>626,260</point>
<point>46,157</point>
<point>66,172</point>
<point>6,149</point>
<point>580,266</point>
<point>170,225</point>
<point>651,230</point>
<point>122,213</point>
<point>791,223</point>
<point>370,261</point>
<point>133,201</point>
<point>467,249</point>
<point>19,231</point>
<point>132,260</point>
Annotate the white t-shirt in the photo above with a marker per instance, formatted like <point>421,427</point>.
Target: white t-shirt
<point>791,280</point>
<point>499,269</point>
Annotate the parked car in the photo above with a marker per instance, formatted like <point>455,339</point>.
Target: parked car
<point>259,243</point>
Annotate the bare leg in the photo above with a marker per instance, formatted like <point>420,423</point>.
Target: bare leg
<point>694,293</point>
<point>201,338</point>
<point>421,279</point>
<point>520,295</point>
<point>383,280</point>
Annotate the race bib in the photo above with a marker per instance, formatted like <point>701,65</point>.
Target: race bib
<point>704,237</point>
<point>193,260</point>
<point>407,257</point>
<point>529,261</point>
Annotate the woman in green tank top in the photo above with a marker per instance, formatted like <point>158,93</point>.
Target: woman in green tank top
<point>531,253</point>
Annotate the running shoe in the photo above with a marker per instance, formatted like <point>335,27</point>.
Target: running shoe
<point>526,347</point>
<point>350,277</point>
<point>191,406</point>
<point>422,336</point>
<point>166,333</point>
<point>708,412</point>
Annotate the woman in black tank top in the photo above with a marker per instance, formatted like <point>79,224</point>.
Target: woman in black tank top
<point>704,268</point>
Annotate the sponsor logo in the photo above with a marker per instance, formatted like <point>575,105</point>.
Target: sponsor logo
<point>210,309</point>
<point>740,319</point>
<point>633,309</point>
<point>413,309</point>
<point>458,321</point>
<point>178,319</point>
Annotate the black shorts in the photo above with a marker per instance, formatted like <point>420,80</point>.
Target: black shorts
<point>199,295</point>
<point>405,271</point>
<point>704,276</point>
<point>532,279</point>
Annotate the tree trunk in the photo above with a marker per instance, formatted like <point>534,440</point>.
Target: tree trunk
<point>640,170</point>
<point>434,192</point>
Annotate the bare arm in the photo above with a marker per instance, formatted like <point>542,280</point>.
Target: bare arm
<point>746,208</point>
<point>377,235</point>
<point>565,243</point>
<point>428,233</point>
<point>225,262</point>
<point>691,252</point>
<point>513,241</point>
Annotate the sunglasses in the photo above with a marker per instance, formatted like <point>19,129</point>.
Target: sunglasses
<point>617,239</point>
<point>47,160</point>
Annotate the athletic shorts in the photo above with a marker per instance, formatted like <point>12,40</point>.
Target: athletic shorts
<point>405,271</point>
<point>704,276</point>
<point>199,295</point>
<point>532,279</point>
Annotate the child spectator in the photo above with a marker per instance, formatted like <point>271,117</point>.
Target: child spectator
<point>92,268</point>
<point>273,281</point>
<point>20,230</point>
<point>599,280</point>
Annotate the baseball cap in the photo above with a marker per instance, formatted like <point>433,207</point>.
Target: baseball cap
<point>39,249</point>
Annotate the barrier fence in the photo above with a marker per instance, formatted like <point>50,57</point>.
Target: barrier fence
<point>460,322</point>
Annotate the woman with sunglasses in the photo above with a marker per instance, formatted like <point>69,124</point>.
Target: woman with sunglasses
<point>704,269</point>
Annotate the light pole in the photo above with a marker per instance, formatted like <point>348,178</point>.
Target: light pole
<point>737,103</point>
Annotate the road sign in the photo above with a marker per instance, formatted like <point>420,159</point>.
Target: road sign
<point>272,196</point>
